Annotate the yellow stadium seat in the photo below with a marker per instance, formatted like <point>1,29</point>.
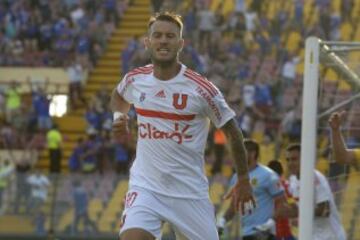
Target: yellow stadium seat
<point>215,5</point>
<point>354,57</point>
<point>357,228</point>
<point>271,11</point>
<point>267,153</point>
<point>121,189</point>
<point>66,219</point>
<point>105,227</point>
<point>95,206</point>
<point>322,165</point>
<point>300,67</point>
<point>355,10</point>
<point>258,136</point>
<point>344,86</point>
<point>228,7</point>
<point>293,41</point>
<point>336,6</point>
<point>345,31</point>
<point>349,199</point>
<point>208,169</point>
<point>331,74</point>
<point>307,9</point>
<point>226,171</point>
<point>216,192</point>
<point>16,224</point>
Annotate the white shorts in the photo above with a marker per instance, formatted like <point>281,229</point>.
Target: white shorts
<point>191,219</point>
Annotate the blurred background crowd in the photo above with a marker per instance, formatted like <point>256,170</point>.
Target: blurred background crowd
<point>252,51</point>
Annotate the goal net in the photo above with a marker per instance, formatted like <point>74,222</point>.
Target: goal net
<point>331,83</point>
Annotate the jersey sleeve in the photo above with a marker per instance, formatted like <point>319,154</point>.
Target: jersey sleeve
<point>274,185</point>
<point>321,190</point>
<point>217,109</point>
<point>125,88</point>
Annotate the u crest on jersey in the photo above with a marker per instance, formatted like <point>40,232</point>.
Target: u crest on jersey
<point>176,100</point>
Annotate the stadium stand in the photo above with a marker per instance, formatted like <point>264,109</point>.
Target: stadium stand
<point>271,35</point>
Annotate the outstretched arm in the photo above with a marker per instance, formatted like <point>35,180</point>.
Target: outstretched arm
<point>341,153</point>
<point>236,138</point>
<point>118,104</point>
<point>241,192</point>
<point>120,108</point>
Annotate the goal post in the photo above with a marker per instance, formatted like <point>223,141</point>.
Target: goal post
<point>308,137</point>
<point>317,52</point>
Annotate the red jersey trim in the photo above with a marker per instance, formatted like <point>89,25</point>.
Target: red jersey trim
<point>141,70</point>
<point>164,115</point>
<point>201,81</point>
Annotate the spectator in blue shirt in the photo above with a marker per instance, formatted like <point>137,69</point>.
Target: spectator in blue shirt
<point>74,161</point>
<point>93,118</point>
<point>81,203</point>
<point>41,105</point>
<point>121,159</point>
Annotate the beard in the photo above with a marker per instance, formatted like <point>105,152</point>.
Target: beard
<point>163,63</point>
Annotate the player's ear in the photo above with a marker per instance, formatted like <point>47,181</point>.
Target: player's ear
<point>147,42</point>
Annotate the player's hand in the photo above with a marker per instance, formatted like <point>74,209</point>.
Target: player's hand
<point>220,225</point>
<point>267,226</point>
<point>242,196</point>
<point>120,126</point>
<point>336,119</point>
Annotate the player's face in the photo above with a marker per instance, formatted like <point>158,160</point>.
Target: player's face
<point>252,160</point>
<point>164,42</point>
<point>293,162</point>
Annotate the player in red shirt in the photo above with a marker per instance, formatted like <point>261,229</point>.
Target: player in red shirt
<point>283,228</point>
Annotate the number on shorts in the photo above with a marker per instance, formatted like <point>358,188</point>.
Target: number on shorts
<point>130,199</point>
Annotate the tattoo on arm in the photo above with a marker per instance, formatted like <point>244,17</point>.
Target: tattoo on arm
<point>236,139</point>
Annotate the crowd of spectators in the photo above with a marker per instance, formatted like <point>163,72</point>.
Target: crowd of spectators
<point>48,33</point>
<point>71,34</point>
<point>245,53</point>
<point>242,52</point>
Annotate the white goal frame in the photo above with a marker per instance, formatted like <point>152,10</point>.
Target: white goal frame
<point>315,50</point>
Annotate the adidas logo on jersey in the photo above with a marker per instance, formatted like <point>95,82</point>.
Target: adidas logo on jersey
<point>161,94</point>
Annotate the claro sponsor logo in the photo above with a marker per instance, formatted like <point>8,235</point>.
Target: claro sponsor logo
<point>148,131</point>
<point>210,102</point>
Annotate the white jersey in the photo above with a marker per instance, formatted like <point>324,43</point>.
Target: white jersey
<point>173,123</point>
<point>330,227</point>
<point>325,228</point>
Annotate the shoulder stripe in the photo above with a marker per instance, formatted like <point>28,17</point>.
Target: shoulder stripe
<point>203,79</point>
<point>147,67</point>
<point>198,82</point>
<point>133,73</point>
<point>141,69</point>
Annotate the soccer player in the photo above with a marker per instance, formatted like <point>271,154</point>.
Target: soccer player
<point>174,106</point>
<point>327,225</point>
<point>342,155</point>
<point>283,228</point>
<point>270,200</point>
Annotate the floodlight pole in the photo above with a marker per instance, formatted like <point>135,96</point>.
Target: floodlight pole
<point>308,138</point>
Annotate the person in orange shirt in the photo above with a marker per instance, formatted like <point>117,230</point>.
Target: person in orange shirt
<point>219,150</point>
